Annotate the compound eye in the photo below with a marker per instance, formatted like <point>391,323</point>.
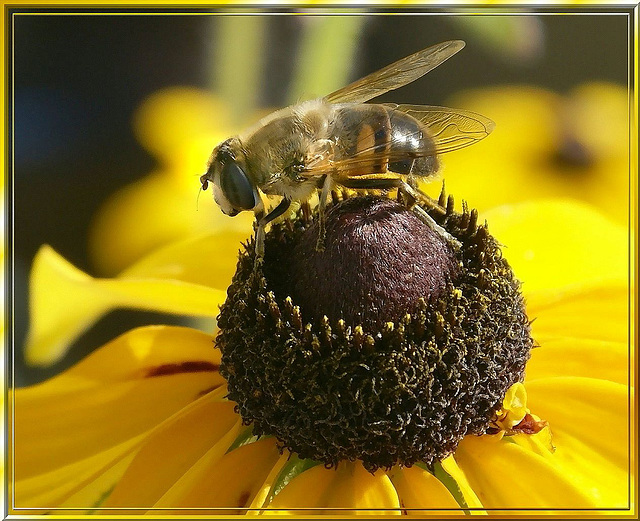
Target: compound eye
<point>236,187</point>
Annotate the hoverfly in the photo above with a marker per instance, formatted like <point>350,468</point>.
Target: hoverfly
<point>341,140</point>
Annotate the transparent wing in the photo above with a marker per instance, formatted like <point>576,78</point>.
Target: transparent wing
<point>451,129</point>
<point>448,130</point>
<point>397,74</point>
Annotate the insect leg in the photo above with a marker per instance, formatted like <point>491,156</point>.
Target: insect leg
<point>419,195</point>
<point>263,220</point>
<point>411,196</point>
<point>327,184</point>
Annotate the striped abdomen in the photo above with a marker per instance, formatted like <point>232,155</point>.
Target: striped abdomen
<point>373,139</point>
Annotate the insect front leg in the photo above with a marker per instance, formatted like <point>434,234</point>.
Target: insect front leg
<point>327,185</point>
<point>262,221</point>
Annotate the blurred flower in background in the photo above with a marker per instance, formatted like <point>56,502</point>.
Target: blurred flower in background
<point>178,126</point>
<point>544,144</point>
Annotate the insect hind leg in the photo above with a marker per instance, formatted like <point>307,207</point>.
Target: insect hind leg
<point>411,196</point>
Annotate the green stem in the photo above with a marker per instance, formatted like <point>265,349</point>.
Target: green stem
<point>238,61</point>
<point>326,55</point>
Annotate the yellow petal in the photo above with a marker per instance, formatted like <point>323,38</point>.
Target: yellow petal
<point>418,489</point>
<point>595,412</point>
<point>606,360</point>
<point>595,311</point>
<point>208,260</point>
<point>117,393</point>
<point>470,498</point>
<point>261,497</point>
<point>505,475</point>
<point>170,452</point>
<point>356,488</point>
<point>96,491</point>
<point>559,242</point>
<point>349,486</point>
<point>86,482</point>
<point>228,481</point>
<point>64,302</point>
<point>304,491</point>
<point>590,425</point>
<point>53,488</point>
<point>153,212</point>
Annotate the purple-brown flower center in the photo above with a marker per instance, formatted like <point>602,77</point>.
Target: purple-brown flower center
<point>378,260</point>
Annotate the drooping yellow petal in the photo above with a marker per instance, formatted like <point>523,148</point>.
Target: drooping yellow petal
<point>583,465</point>
<point>51,489</point>
<point>65,301</point>
<point>261,497</point>
<point>170,452</point>
<point>594,311</point>
<point>306,490</point>
<point>117,393</point>
<point>356,488</point>
<point>603,359</point>
<point>349,488</point>
<point>97,490</point>
<point>505,475</point>
<point>229,481</point>
<point>418,489</point>
<point>559,242</point>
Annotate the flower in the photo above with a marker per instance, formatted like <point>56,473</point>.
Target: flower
<point>547,145</point>
<point>143,422</point>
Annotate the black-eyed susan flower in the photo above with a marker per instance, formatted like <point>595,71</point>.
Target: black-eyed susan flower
<point>408,421</point>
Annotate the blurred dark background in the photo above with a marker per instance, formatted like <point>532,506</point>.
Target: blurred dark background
<point>77,79</point>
